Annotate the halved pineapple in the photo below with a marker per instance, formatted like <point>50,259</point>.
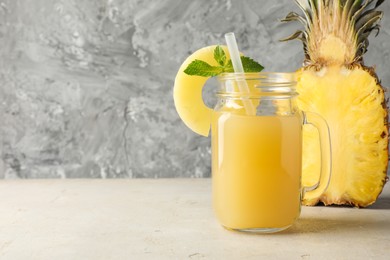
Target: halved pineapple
<point>187,93</point>
<point>335,84</point>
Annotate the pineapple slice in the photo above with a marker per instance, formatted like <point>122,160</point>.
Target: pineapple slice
<point>335,84</point>
<point>187,93</point>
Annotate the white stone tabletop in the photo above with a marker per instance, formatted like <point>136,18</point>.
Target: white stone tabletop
<point>169,219</point>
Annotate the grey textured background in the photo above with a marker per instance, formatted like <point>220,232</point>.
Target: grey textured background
<point>86,85</point>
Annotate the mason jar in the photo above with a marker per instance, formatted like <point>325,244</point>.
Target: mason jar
<point>257,152</point>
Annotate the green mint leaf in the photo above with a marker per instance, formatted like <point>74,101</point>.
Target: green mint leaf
<point>228,67</point>
<point>219,55</point>
<point>250,65</point>
<point>201,68</point>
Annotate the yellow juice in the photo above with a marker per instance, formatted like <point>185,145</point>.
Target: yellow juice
<point>256,170</point>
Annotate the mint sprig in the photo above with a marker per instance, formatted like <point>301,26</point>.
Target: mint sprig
<point>202,68</point>
<point>220,56</point>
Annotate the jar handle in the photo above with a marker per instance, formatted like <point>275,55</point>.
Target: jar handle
<point>310,118</point>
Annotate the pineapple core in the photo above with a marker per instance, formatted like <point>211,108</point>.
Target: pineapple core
<point>333,50</point>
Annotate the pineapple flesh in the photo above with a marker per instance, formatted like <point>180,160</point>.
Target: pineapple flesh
<point>335,83</point>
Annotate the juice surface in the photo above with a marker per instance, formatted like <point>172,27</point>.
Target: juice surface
<point>256,168</point>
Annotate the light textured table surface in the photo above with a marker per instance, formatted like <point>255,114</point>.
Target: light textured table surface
<point>169,219</point>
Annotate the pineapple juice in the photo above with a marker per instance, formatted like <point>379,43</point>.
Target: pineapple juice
<point>256,167</point>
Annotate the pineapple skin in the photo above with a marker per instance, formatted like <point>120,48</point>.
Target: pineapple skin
<point>352,102</point>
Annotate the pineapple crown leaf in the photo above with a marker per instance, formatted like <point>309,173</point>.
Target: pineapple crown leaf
<point>379,2</point>
<point>368,19</point>
<point>293,16</point>
<point>350,21</point>
<point>297,35</point>
<point>364,9</point>
<point>305,7</point>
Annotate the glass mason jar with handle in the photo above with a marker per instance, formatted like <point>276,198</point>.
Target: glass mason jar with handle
<point>257,152</point>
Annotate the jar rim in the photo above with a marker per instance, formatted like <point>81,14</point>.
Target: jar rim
<point>271,84</point>
<point>269,77</point>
